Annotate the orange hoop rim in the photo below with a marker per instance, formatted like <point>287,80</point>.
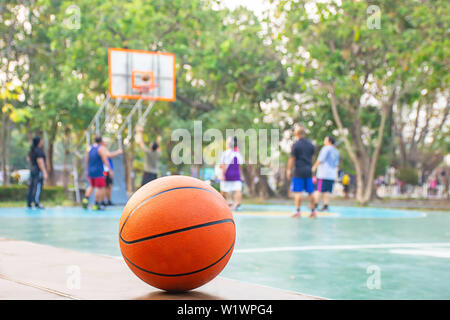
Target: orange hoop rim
<point>146,87</point>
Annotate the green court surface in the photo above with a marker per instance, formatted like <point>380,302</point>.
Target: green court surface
<point>353,253</point>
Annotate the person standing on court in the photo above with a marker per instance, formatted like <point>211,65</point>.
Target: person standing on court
<point>152,156</point>
<point>96,156</point>
<point>326,166</point>
<point>346,184</point>
<point>108,178</point>
<point>300,162</point>
<point>109,184</point>
<point>231,183</point>
<point>38,172</point>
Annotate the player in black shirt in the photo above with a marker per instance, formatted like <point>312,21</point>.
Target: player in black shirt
<point>301,160</point>
<point>38,172</point>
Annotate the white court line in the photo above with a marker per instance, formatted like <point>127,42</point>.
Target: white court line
<point>429,253</point>
<point>345,247</point>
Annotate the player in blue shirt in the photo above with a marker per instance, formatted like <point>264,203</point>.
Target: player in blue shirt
<point>326,166</point>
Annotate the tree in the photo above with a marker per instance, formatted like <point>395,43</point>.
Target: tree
<point>13,30</point>
<point>56,94</point>
<point>337,57</point>
<point>223,71</point>
<point>420,118</point>
<point>9,96</point>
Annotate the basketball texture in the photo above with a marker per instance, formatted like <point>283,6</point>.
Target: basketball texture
<point>176,233</point>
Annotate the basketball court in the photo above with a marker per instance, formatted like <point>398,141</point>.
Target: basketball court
<point>346,253</point>
<point>338,256</point>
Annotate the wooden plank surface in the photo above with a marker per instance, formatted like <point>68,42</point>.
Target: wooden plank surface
<point>35,271</point>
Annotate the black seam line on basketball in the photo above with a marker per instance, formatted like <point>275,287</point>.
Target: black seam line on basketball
<point>177,231</point>
<point>153,196</point>
<point>182,274</point>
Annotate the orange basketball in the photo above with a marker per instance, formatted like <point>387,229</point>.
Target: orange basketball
<point>176,233</point>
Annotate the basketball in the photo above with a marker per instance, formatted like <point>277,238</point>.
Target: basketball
<point>145,77</point>
<point>176,233</point>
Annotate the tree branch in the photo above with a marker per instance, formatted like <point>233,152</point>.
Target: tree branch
<point>195,104</point>
<point>384,112</point>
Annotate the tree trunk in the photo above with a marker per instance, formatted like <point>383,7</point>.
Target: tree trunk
<point>5,148</point>
<point>2,148</point>
<point>360,183</point>
<point>128,165</point>
<point>80,167</point>
<point>354,156</point>
<point>283,186</point>
<point>264,191</point>
<point>66,174</point>
<point>373,162</point>
<point>364,164</point>
<point>50,154</point>
<point>51,173</point>
<point>248,178</point>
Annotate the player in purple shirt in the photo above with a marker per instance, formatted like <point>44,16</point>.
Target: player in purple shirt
<point>230,163</point>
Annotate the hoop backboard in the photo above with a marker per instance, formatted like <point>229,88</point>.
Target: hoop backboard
<point>139,74</point>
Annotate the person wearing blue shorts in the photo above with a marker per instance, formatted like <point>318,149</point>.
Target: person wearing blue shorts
<point>327,170</point>
<point>300,169</point>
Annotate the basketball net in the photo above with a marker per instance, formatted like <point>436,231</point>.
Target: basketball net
<point>146,88</point>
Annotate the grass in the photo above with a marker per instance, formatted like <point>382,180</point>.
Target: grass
<point>401,204</point>
<point>18,204</point>
<point>337,201</point>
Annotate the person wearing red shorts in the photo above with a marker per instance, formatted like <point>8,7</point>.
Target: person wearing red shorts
<point>97,156</point>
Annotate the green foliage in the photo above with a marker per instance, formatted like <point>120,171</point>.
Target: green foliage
<point>333,52</point>
<point>19,193</point>
<point>408,175</point>
<point>19,152</point>
<point>229,65</point>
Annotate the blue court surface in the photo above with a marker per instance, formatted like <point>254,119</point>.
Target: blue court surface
<point>350,253</point>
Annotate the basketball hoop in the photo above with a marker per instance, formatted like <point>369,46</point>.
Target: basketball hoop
<point>134,74</point>
<point>145,88</point>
